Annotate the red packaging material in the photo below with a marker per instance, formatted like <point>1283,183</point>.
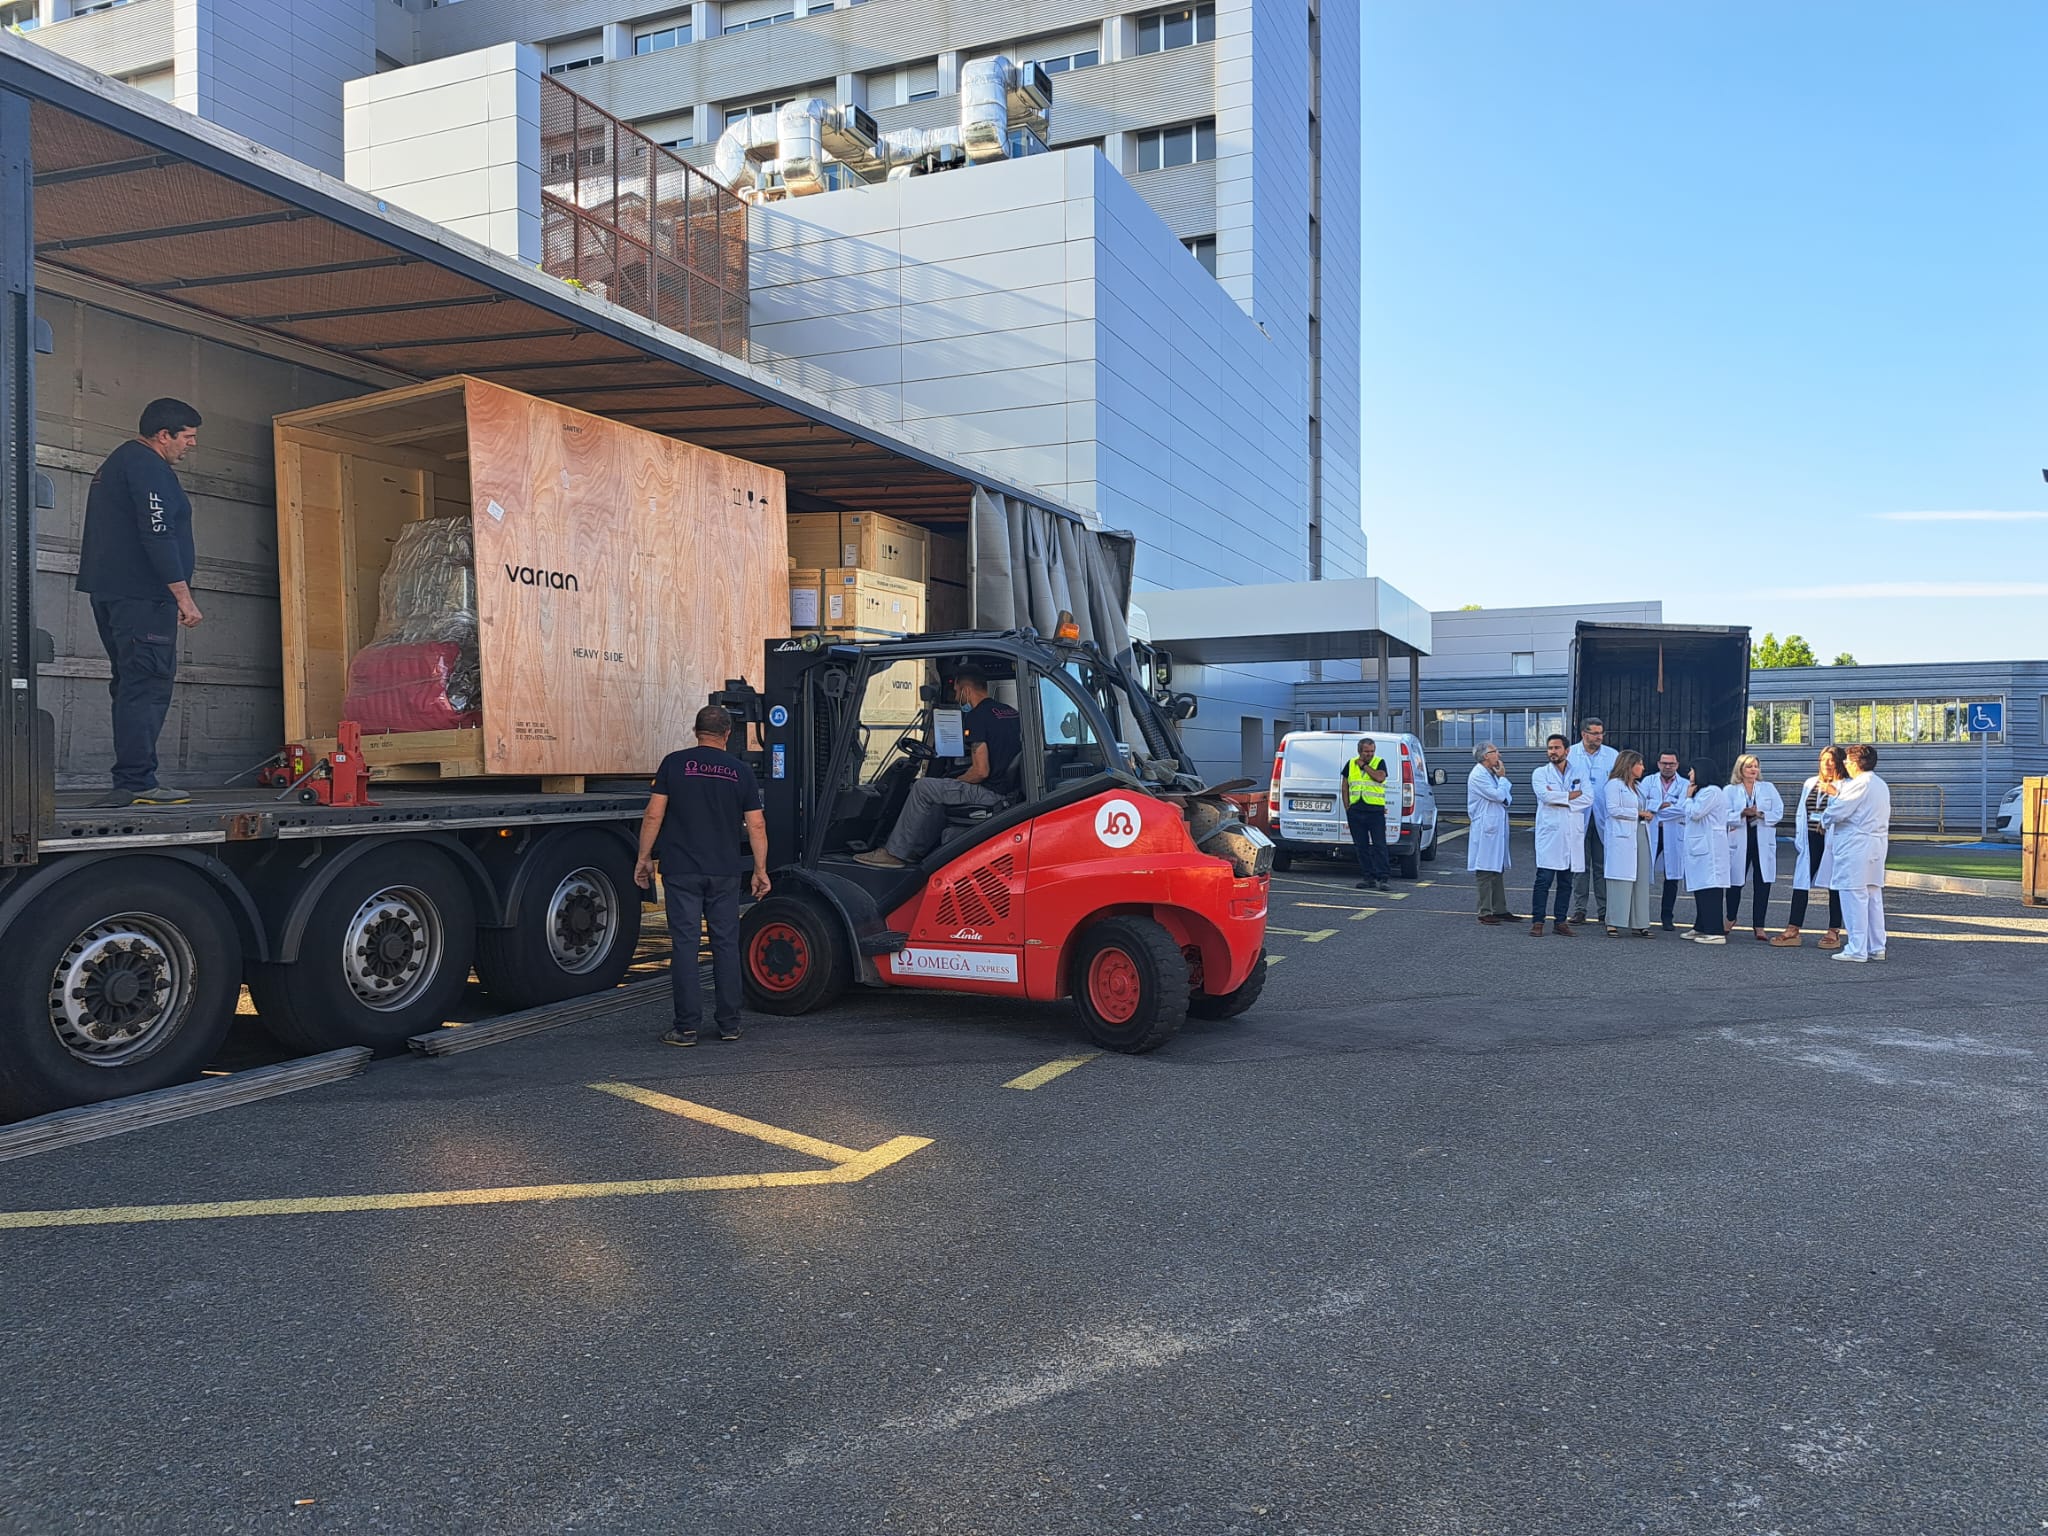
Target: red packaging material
<point>401,687</point>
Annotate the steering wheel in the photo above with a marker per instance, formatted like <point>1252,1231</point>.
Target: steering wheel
<point>916,748</point>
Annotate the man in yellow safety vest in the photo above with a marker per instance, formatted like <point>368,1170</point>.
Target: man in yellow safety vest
<point>1365,809</point>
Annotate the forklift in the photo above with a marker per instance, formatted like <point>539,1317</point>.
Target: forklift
<point>1110,873</point>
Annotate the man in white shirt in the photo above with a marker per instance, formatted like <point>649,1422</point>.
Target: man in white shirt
<point>1593,760</point>
<point>1487,796</point>
<point>1560,834</point>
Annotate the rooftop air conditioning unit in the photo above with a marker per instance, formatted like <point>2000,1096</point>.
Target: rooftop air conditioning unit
<point>858,125</point>
<point>1034,85</point>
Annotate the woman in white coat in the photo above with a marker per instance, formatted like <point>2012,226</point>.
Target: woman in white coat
<point>1627,849</point>
<point>1706,851</point>
<point>1812,855</point>
<point>1487,793</point>
<point>1755,808</point>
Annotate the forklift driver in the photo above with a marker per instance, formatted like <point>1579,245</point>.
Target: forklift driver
<point>993,738</point>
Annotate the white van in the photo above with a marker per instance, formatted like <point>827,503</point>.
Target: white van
<point>1306,803</point>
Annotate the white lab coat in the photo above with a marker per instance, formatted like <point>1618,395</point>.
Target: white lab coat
<point>1560,829</point>
<point>1772,804</point>
<point>1593,767</point>
<point>1487,796</point>
<point>1618,852</point>
<point>1668,801</point>
<point>1804,876</point>
<point>1706,839</point>
<point>1859,820</point>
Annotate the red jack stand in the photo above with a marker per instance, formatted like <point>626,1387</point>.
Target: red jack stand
<point>341,778</point>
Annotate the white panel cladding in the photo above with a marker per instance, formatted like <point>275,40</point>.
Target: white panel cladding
<point>123,41</point>
<point>275,69</point>
<point>571,50</point>
<point>1172,87</point>
<point>1344,541</point>
<point>1184,197</point>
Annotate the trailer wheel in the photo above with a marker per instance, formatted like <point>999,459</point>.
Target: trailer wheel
<point>119,982</point>
<point>1228,1005</point>
<point>385,954</point>
<point>1130,984</point>
<point>793,957</point>
<point>575,929</point>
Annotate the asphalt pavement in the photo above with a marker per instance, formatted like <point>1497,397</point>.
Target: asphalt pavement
<point>1458,1231</point>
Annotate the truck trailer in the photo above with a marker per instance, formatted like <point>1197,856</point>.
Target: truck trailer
<point>1680,688</point>
<point>145,252</point>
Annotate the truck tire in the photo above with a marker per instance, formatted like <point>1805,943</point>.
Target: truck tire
<point>576,925</point>
<point>793,957</point>
<point>118,981</point>
<point>1283,861</point>
<point>1130,983</point>
<point>1206,1005</point>
<point>385,955</point>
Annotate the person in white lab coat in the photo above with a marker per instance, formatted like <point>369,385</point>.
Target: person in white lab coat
<point>1813,866</point>
<point>1757,807</point>
<point>1560,834</point>
<point>1488,792</point>
<point>1593,760</point>
<point>1664,793</point>
<point>1859,823</point>
<point>1706,851</point>
<point>1627,855</point>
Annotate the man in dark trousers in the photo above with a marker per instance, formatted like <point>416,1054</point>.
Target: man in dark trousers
<point>703,797</point>
<point>135,562</point>
<point>993,738</point>
<point>1365,811</point>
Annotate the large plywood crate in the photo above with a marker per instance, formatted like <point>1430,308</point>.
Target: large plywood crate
<point>658,571</point>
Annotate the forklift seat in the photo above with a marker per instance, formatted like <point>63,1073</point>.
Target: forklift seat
<point>1008,784</point>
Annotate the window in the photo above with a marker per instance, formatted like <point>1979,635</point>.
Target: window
<point>674,35</point>
<point>1203,249</point>
<point>1176,27</point>
<point>1071,748</point>
<point>764,21</point>
<point>93,7</point>
<point>1022,142</point>
<point>160,83</point>
<point>911,82</point>
<point>755,109</point>
<point>1524,664</point>
<point>573,53</point>
<point>19,15</point>
<point>674,132</point>
<point>588,158</point>
<point>1085,59</point>
<point>1188,144</point>
<point>1465,727</point>
<point>1907,722</point>
<point>1781,724</point>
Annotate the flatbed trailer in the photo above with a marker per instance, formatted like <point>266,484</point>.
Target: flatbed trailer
<point>126,935</point>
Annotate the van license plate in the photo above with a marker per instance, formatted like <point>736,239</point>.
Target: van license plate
<point>1311,803</point>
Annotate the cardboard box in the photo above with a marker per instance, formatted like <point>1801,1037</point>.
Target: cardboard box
<point>598,636</point>
<point>947,560</point>
<point>895,695</point>
<point>866,541</point>
<point>806,599</point>
<point>870,606</point>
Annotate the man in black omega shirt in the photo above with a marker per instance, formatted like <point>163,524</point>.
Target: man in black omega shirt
<point>135,561</point>
<point>703,796</point>
<point>993,739</point>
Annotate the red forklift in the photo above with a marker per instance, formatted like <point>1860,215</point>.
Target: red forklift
<point>1110,874</point>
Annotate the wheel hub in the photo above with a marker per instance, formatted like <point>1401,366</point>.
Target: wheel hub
<point>581,919</point>
<point>780,957</point>
<point>391,949</point>
<point>120,988</point>
<point>1114,986</point>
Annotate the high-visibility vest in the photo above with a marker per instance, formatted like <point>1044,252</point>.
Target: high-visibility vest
<point>1359,788</point>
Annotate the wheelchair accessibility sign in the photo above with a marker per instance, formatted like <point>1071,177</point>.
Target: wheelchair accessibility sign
<point>1117,824</point>
<point>1987,719</point>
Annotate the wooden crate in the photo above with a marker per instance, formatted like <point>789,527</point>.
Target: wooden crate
<point>661,573</point>
<point>2034,841</point>
<point>867,541</point>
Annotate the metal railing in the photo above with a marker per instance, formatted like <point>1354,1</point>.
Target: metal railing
<point>1921,806</point>
<point>637,224</point>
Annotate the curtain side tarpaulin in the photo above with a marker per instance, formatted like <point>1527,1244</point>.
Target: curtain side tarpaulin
<point>1031,563</point>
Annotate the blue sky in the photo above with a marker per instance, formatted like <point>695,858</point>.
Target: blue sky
<point>1729,303</point>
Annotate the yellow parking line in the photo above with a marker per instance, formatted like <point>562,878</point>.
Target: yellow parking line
<point>1970,938</point>
<point>1358,914</point>
<point>2010,924</point>
<point>1038,1077</point>
<point>1274,959</point>
<point>774,1135</point>
<point>1306,935</point>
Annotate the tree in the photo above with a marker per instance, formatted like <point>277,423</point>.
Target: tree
<point>1468,607</point>
<point>1792,651</point>
<point>1843,660</point>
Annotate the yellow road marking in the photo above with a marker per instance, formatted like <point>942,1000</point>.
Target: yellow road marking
<point>849,1167</point>
<point>1310,936</point>
<point>774,1135</point>
<point>1274,959</point>
<point>2012,924</point>
<point>1451,837</point>
<point>1971,938</point>
<point>1038,1077</point>
<point>1358,914</point>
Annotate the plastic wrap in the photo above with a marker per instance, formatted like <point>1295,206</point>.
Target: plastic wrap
<point>420,671</point>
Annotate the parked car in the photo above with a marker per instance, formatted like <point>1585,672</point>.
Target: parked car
<point>2007,821</point>
<point>1306,802</point>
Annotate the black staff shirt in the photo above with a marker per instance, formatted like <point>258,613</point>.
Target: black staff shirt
<point>703,831</point>
<point>138,527</point>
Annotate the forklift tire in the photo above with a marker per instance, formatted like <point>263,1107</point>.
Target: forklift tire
<point>575,928</point>
<point>793,957</point>
<point>1130,983</point>
<point>1205,1005</point>
<point>119,982</point>
<point>1283,861</point>
<point>385,955</point>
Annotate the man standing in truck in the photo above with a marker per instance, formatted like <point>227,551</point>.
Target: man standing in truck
<point>704,799</point>
<point>135,562</point>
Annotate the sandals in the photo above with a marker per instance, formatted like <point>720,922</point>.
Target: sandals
<point>1761,936</point>
<point>1789,939</point>
<point>1832,939</point>
<point>1614,933</point>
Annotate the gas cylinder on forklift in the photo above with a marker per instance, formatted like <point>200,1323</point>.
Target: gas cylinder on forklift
<point>1098,865</point>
